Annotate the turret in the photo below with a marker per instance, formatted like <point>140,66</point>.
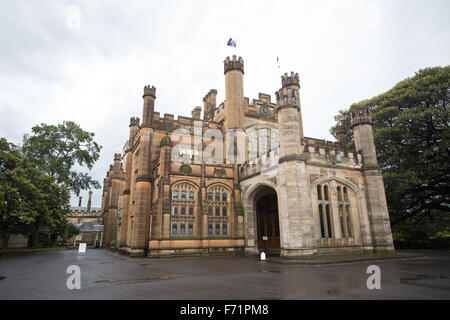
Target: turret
<point>288,106</point>
<point>362,131</point>
<point>378,214</point>
<point>234,93</point>
<point>134,126</point>
<point>340,135</point>
<point>292,82</point>
<point>149,106</point>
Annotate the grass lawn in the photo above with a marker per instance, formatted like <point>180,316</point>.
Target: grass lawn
<point>28,250</point>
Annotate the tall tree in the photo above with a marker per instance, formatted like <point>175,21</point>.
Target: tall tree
<point>56,150</point>
<point>412,136</point>
<point>28,197</point>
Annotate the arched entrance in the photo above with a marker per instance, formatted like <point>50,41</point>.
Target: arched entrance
<point>268,228</point>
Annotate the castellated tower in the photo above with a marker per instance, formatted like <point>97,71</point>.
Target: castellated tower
<point>234,93</point>
<point>376,200</point>
<point>292,82</point>
<point>294,201</point>
<point>149,106</point>
<point>138,241</point>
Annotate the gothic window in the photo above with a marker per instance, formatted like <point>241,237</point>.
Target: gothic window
<point>210,229</point>
<point>184,204</point>
<point>182,229</point>
<point>218,209</point>
<point>344,212</point>
<point>174,229</point>
<point>325,217</point>
<point>225,229</point>
<point>217,229</point>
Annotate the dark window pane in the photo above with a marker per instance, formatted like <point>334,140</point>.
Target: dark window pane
<point>191,210</point>
<point>224,211</point>
<point>225,228</point>
<point>175,195</point>
<point>217,197</point>
<point>322,227</point>
<point>339,194</point>
<point>327,207</point>
<point>174,229</point>
<point>224,197</point>
<point>341,220</point>
<point>218,211</point>
<point>182,229</point>
<point>175,210</point>
<point>345,194</point>
<point>191,229</point>
<point>217,229</point>
<point>319,192</point>
<point>183,195</point>
<point>347,212</point>
<point>210,211</point>
<point>210,196</point>
<point>183,210</point>
<point>191,196</point>
<point>210,229</point>
<point>325,192</point>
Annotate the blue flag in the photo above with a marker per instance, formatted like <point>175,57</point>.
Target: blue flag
<point>231,43</point>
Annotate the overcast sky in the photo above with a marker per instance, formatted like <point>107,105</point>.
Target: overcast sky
<point>88,61</point>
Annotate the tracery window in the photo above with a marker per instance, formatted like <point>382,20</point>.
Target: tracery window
<point>218,198</point>
<point>184,204</point>
<point>325,217</point>
<point>344,212</point>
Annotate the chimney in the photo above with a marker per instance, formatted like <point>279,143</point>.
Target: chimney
<point>340,134</point>
<point>79,202</point>
<point>196,113</point>
<point>89,202</point>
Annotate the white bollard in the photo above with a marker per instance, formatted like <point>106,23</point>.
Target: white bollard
<point>263,256</point>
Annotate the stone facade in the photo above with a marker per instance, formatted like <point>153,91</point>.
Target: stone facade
<point>324,198</point>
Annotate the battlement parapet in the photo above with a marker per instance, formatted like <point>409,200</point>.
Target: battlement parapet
<point>287,98</point>
<point>233,64</point>
<point>289,80</point>
<point>149,91</point>
<point>360,116</point>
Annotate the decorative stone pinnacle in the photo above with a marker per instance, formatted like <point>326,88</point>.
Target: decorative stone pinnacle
<point>360,116</point>
<point>117,157</point>
<point>287,98</point>
<point>287,80</point>
<point>235,64</point>
<point>149,91</point>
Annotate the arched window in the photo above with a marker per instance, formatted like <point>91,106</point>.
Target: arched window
<point>218,198</point>
<point>345,219</point>
<point>325,217</point>
<point>184,208</point>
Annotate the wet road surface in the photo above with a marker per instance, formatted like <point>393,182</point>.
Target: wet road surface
<point>108,276</point>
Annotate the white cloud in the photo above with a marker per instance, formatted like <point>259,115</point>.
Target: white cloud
<point>95,74</point>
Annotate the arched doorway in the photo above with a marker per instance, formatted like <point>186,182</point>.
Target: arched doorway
<point>268,228</point>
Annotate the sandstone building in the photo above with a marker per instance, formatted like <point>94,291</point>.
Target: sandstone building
<point>292,194</point>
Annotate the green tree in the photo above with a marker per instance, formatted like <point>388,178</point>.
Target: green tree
<point>56,150</point>
<point>412,137</point>
<point>28,197</point>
